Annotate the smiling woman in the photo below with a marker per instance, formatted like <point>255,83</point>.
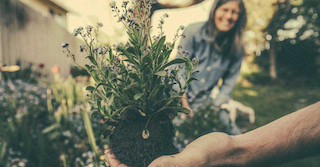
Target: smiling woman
<point>226,16</point>
<point>218,45</point>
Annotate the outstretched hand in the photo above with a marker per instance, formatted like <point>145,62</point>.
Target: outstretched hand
<point>208,150</point>
<point>197,154</point>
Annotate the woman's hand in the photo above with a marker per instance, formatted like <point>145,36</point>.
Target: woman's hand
<point>185,104</point>
<point>112,160</point>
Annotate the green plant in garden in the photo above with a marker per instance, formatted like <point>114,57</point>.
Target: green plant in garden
<point>204,121</point>
<point>135,83</point>
<point>71,97</point>
<point>34,134</point>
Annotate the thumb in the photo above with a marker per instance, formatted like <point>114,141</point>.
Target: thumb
<point>164,161</point>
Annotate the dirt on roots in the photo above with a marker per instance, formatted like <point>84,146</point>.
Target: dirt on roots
<point>130,148</point>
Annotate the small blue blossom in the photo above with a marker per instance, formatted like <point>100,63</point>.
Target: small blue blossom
<point>89,29</point>
<point>125,3</point>
<point>113,4</point>
<point>64,45</point>
<point>83,48</point>
<point>100,24</point>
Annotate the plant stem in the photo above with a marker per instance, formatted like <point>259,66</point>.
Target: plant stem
<point>64,161</point>
<point>92,140</point>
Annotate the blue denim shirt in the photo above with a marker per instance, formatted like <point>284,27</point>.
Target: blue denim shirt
<point>211,67</point>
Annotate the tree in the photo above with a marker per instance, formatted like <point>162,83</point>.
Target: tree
<point>171,4</point>
<point>294,21</point>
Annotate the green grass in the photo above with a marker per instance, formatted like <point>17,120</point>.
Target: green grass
<point>273,102</point>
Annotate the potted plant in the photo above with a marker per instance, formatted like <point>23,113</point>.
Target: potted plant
<point>137,88</point>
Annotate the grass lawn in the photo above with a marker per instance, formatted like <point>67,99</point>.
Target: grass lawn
<point>271,102</point>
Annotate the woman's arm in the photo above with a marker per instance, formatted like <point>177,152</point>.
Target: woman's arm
<point>296,135</point>
<point>229,82</point>
<point>185,104</point>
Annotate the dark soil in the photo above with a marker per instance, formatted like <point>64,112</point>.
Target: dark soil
<point>130,148</point>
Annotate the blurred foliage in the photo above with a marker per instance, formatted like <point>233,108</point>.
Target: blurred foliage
<point>297,20</point>
<point>72,123</point>
<point>77,71</point>
<point>204,121</point>
<point>29,72</point>
<point>22,117</point>
<point>259,15</point>
<point>296,64</point>
<point>39,128</point>
<point>260,78</point>
<point>291,35</point>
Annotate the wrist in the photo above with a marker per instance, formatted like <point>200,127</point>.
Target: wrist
<point>233,154</point>
<point>221,150</point>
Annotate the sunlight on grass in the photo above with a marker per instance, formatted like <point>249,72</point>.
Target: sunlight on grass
<point>271,102</point>
<point>251,93</point>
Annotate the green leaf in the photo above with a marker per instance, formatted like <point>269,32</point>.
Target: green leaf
<point>130,50</point>
<point>188,68</point>
<point>180,109</point>
<point>122,110</point>
<point>138,96</point>
<point>96,112</point>
<point>101,84</point>
<point>161,73</point>
<point>3,146</point>
<point>99,105</point>
<point>154,91</point>
<point>160,45</point>
<point>130,56</point>
<point>110,55</point>
<point>88,67</point>
<point>142,113</point>
<point>135,77</point>
<point>175,109</point>
<point>93,61</point>
<point>90,88</point>
<point>108,94</point>
<point>95,76</point>
<point>50,128</point>
<point>190,80</point>
<point>131,37</point>
<point>172,62</point>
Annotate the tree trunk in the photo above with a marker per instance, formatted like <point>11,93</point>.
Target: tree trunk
<point>273,64</point>
<point>168,5</point>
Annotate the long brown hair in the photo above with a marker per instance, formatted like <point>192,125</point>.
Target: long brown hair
<point>232,40</point>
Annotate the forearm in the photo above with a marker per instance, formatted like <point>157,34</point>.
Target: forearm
<point>296,135</point>
<point>211,150</point>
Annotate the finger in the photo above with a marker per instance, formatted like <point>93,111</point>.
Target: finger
<point>107,155</point>
<point>112,160</point>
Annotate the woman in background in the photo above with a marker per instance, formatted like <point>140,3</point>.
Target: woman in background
<point>217,43</point>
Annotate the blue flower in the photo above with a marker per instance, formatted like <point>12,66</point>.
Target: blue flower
<point>64,45</point>
<point>100,24</point>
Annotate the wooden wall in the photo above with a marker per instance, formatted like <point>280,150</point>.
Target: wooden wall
<point>31,37</point>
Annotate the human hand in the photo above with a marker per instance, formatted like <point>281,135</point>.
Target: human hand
<point>112,160</point>
<point>185,104</point>
<point>209,150</point>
